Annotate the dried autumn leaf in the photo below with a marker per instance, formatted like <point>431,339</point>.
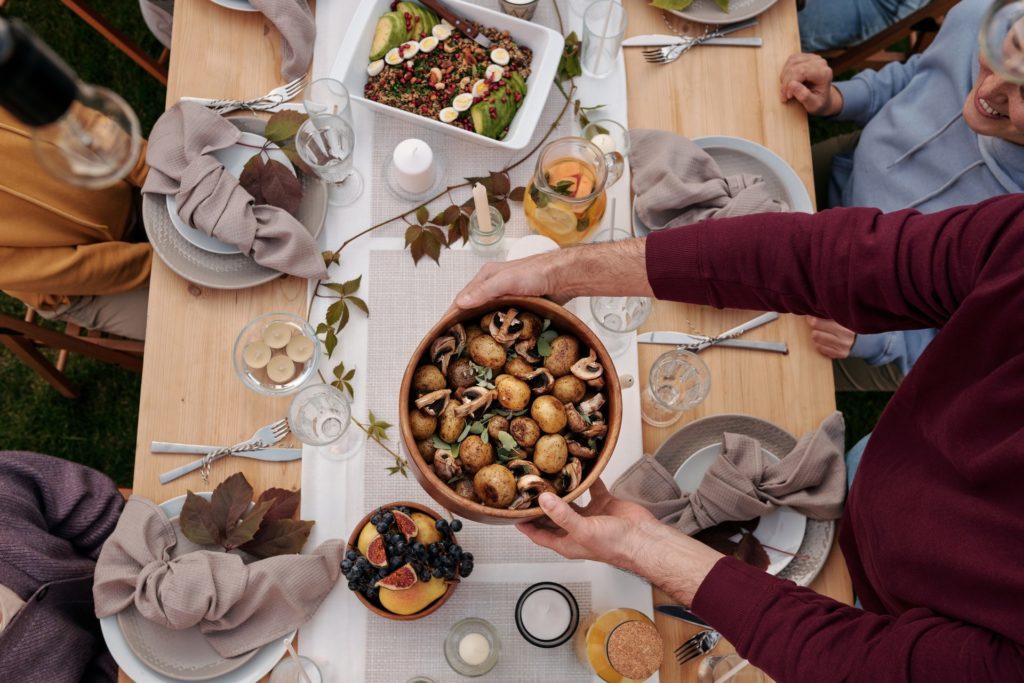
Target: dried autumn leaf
<point>197,521</point>
<point>517,194</point>
<point>279,537</point>
<point>285,503</point>
<point>412,234</point>
<point>450,215</point>
<point>230,500</point>
<point>331,258</point>
<point>271,182</point>
<point>247,527</point>
<point>500,183</point>
<point>502,206</point>
<point>432,245</point>
<point>422,215</point>
<point>283,125</point>
<point>750,550</point>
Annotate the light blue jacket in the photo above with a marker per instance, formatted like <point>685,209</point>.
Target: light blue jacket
<point>916,150</point>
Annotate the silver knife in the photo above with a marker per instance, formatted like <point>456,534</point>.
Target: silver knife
<point>698,343</point>
<point>269,454</point>
<point>679,612</point>
<point>665,40</point>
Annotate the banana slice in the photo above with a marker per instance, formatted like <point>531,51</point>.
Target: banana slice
<point>448,114</point>
<point>409,50</point>
<point>442,32</point>
<point>374,68</point>
<point>500,56</point>
<point>256,355</point>
<point>463,102</point>
<point>300,348</point>
<point>494,73</point>
<point>480,88</point>
<point>393,57</point>
<point>277,335</point>
<point>428,44</point>
<point>280,369</point>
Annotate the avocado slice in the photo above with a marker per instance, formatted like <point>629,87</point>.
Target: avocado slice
<point>421,26</point>
<point>504,112</point>
<point>390,32</point>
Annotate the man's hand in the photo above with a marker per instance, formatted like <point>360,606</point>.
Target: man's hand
<point>831,339</point>
<point>807,78</point>
<point>625,535</point>
<point>524,277</point>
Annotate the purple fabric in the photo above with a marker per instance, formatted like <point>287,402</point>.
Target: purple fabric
<point>54,517</point>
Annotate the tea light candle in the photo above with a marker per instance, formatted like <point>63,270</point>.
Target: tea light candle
<point>414,166</point>
<point>547,614</point>
<point>604,142</point>
<point>474,649</point>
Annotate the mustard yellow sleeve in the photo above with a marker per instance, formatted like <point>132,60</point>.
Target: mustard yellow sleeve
<point>137,176</point>
<point>83,270</point>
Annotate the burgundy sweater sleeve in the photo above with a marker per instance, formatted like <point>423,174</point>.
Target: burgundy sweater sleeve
<point>870,271</point>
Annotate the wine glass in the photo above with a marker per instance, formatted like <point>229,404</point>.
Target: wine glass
<point>1002,39</point>
<point>321,415</point>
<point>679,381</point>
<point>326,142</point>
<point>327,96</point>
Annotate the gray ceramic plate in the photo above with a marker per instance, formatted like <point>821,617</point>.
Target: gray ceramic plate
<point>708,11</point>
<point>225,271</point>
<point>818,536</point>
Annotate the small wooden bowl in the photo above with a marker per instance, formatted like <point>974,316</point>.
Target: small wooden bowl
<point>353,540</point>
<point>562,320</point>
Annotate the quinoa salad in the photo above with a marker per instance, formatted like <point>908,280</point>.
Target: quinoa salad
<point>421,64</point>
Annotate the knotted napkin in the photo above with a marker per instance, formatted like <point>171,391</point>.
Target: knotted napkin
<point>294,21</point>
<point>743,483</point>
<point>237,606</point>
<point>210,199</point>
<point>678,183</point>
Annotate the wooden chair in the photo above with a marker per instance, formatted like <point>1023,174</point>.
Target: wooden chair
<point>24,338</point>
<point>919,28</point>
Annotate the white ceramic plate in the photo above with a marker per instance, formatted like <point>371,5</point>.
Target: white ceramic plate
<point>783,528</point>
<point>204,663</point>
<point>708,11</point>
<point>240,5</point>
<point>547,45</point>
<point>234,159</point>
<point>739,155</point>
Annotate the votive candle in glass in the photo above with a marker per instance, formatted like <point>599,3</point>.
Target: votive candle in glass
<point>484,238</point>
<point>547,614</point>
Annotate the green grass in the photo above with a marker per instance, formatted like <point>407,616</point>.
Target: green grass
<point>99,428</point>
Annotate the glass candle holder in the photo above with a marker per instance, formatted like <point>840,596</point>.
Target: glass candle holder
<point>472,647</point>
<point>487,241</point>
<point>276,354</point>
<point>521,9</point>
<point>287,671</point>
<point>547,614</point>
<point>608,135</point>
<point>679,381</point>
<point>320,415</point>
<point>714,668</point>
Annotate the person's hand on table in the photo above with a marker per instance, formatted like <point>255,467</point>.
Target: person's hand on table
<point>831,339</point>
<point>807,78</point>
<point>625,535</point>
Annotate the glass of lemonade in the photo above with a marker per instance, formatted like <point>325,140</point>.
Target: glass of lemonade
<point>566,198</point>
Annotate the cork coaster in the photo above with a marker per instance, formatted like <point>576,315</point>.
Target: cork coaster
<point>635,649</point>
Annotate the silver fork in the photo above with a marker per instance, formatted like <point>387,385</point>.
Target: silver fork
<point>699,644</point>
<point>670,53</point>
<point>275,97</point>
<point>263,437</point>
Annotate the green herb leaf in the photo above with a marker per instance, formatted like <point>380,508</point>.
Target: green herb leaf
<point>563,187</point>
<point>569,65</point>
<point>672,5</point>
<point>441,445</point>
<point>485,436</point>
<point>507,440</point>
<point>544,342</point>
<point>463,435</point>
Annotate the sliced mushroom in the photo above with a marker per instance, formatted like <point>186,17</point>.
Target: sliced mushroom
<point>474,400</point>
<point>445,465</point>
<point>534,485</point>
<point>526,348</point>
<point>458,332</point>
<point>522,501</point>
<point>574,419</point>
<point>580,450</point>
<point>596,430</point>
<point>434,403</point>
<point>540,381</point>
<point>570,476</point>
<point>506,327</point>
<point>588,368</point>
<point>592,404</point>
<point>597,383</point>
<point>528,466</point>
<point>441,352</point>
<point>464,488</point>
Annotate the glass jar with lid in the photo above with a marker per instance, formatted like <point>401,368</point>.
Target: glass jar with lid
<point>620,646</point>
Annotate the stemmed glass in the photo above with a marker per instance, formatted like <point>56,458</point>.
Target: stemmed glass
<point>327,96</point>
<point>321,415</point>
<point>618,316</point>
<point>679,381</point>
<point>326,142</point>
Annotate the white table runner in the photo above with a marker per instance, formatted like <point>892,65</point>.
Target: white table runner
<point>348,642</point>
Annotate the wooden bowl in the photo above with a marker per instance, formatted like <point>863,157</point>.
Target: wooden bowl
<point>563,321</point>
<point>353,540</point>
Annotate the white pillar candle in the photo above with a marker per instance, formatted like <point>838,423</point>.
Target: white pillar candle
<point>546,614</point>
<point>414,166</point>
<point>483,209</point>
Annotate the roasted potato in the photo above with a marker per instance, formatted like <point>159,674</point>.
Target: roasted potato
<point>525,431</point>
<point>569,389</point>
<point>422,425</point>
<point>551,453</point>
<point>485,351</point>
<point>475,454</point>
<point>548,413</point>
<point>495,485</point>
<point>565,350</point>
<point>427,378</point>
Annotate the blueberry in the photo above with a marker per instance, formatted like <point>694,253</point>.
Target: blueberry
<point>382,572</point>
<point>405,510</point>
<point>382,528</point>
<point>466,570</point>
<point>352,555</point>
<point>353,586</point>
<point>441,525</point>
<point>424,574</point>
<point>417,546</point>
<point>456,525</point>
<point>438,572</point>
<point>375,520</point>
<point>455,550</point>
<point>388,518</point>
<point>468,557</point>
<point>346,565</point>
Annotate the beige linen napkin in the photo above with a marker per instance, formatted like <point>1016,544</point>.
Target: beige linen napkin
<point>298,32</point>
<point>210,199</point>
<point>238,607</point>
<point>743,483</point>
<point>678,183</point>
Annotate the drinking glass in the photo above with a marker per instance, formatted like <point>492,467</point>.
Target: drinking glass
<point>321,415</point>
<point>712,669</point>
<point>326,143</point>
<point>604,26</point>
<point>287,671</point>
<point>679,381</point>
<point>579,7</point>
<point>618,316</point>
<point>327,96</point>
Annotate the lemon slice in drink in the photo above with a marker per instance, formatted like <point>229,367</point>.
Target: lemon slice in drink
<point>558,221</point>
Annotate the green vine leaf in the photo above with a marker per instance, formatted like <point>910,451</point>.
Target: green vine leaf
<point>331,258</point>
<point>330,342</point>
<point>283,125</point>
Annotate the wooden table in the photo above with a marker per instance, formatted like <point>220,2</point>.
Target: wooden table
<point>734,91</point>
<point>190,393</point>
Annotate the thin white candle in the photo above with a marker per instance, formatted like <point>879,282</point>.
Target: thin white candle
<point>728,675</point>
<point>483,210</point>
<point>604,36</point>
<point>546,614</point>
<point>414,166</point>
